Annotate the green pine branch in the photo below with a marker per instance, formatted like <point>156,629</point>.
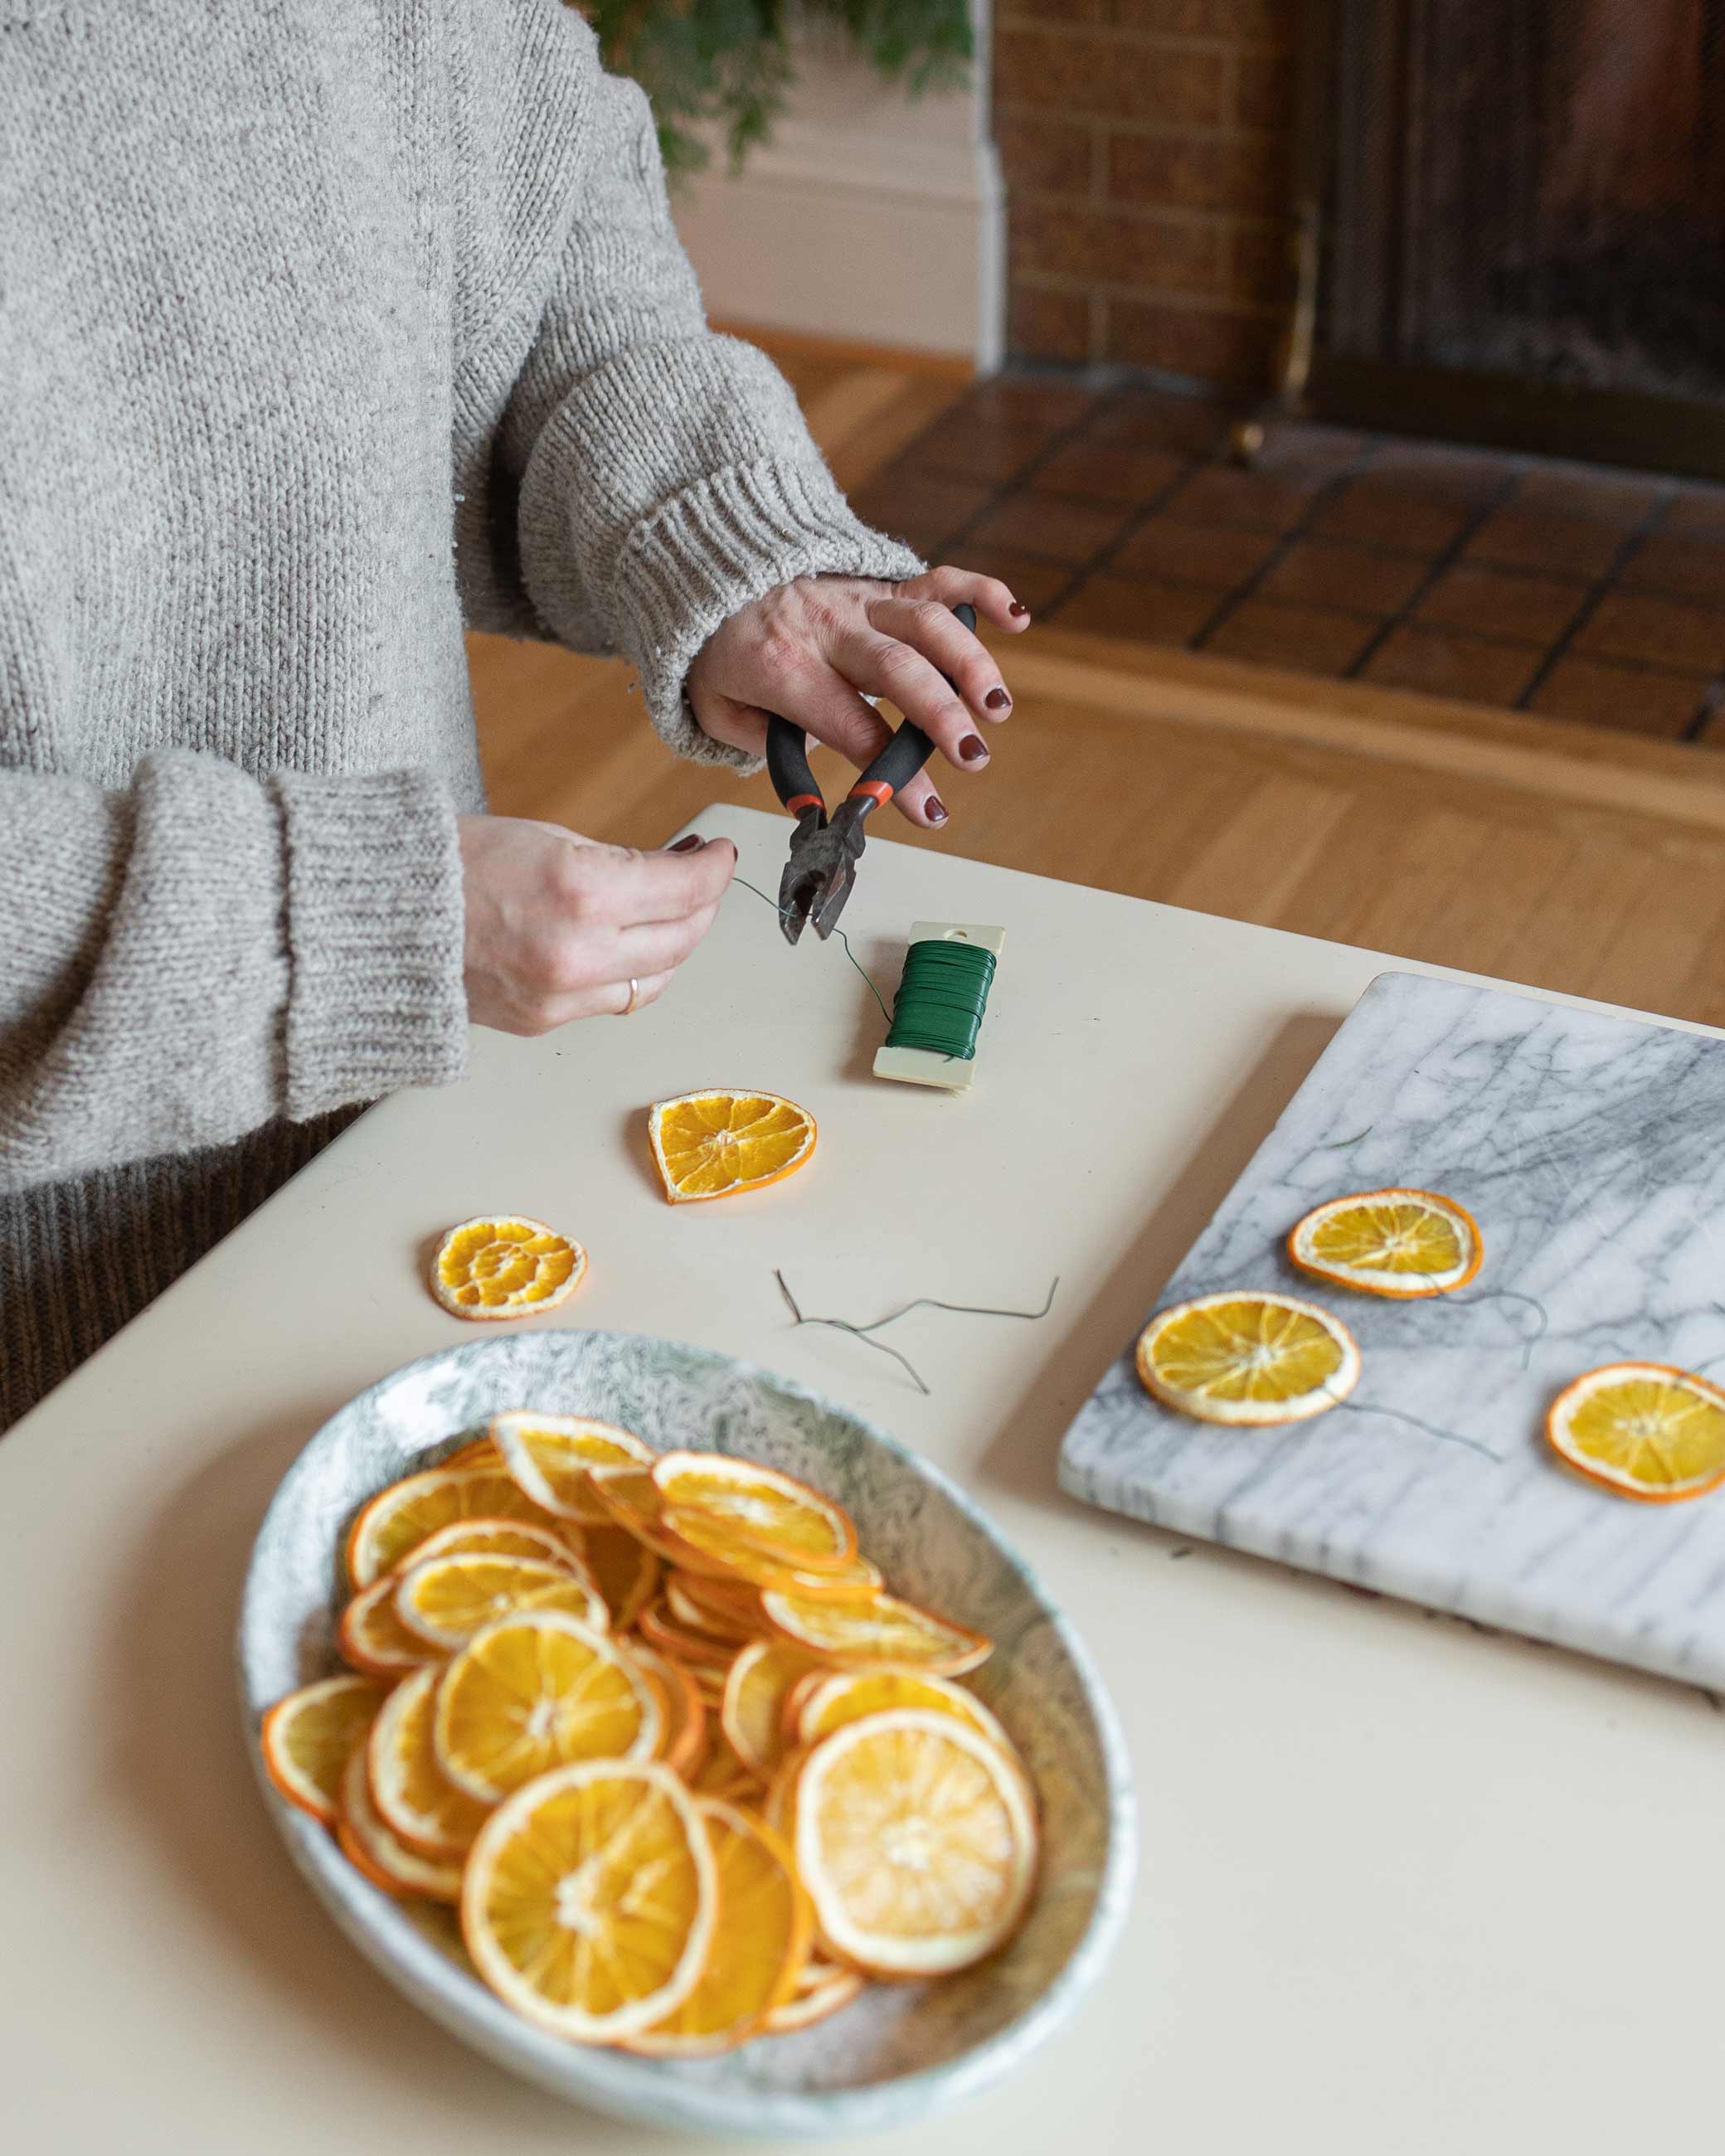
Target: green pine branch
<point>726,64</point>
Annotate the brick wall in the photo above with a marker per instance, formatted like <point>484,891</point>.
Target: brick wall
<point>1147,150</point>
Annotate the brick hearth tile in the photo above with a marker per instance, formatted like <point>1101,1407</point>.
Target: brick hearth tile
<point>1387,515</point>
<point>1226,494</point>
<point>1502,602</point>
<point>1605,497</point>
<point>1109,471</point>
<point>1051,524</point>
<point>1633,699</point>
<point>1212,343</point>
<point>1336,572</point>
<point>1440,663</point>
<point>908,497</point>
<point>1532,539</point>
<point>1695,512</point>
<point>1466,477</point>
<point>1687,568</point>
<point>1107,605</point>
<point>1315,639</point>
<point>1150,419</point>
<point>1672,632</point>
<point>1214,556</point>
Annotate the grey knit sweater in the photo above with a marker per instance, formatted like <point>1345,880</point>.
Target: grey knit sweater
<point>325,324</point>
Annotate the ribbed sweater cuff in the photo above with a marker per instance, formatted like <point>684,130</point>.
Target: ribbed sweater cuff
<point>715,547</point>
<point>374,926</point>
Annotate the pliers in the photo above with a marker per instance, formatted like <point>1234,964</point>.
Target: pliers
<point>820,873</point>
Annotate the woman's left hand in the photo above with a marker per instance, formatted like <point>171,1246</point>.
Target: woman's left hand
<point>815,648</point>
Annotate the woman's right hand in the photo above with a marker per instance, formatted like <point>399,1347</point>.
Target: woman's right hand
<point>558,925</point>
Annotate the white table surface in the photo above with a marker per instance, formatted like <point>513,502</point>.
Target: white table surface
<point>1403,1888</point>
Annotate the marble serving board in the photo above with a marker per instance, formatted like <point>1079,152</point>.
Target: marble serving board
<point>1590,1147</point>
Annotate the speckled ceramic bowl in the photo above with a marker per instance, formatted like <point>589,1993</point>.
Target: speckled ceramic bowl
<point>901,2050</point>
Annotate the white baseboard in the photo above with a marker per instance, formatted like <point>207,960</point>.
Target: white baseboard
<point>867,216</point>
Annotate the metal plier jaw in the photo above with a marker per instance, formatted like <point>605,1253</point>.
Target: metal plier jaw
<point>821,873</point>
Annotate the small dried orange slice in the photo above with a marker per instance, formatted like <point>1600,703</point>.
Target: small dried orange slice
<point>1257,1357</point>
<point>1643,1430</point>
<point>537,1690</point>
<point>409,1791</point>
<point>848,1695</point>
<point>753,1710</point>
<point>1398,1243</point>
<point>559,1545</point>
<point>868,1634</point>
<point>716,1502</point>
<point>833,1989</point>
<point>552,1457</point>
<point>716,1143</point>
<point>917,1841</point>
<point>373,1638</point>
<point>760,1941</point>
<point>625,1571</point>
<point>447,1600</point>
<point>388,1862</point>
<point>401,1516</point>
<point>504,1266</point>
<point>308,1737</point>
<point>590,1899</point>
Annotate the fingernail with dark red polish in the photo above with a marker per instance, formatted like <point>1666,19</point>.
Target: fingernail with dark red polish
<point>1017,607</point>
<point>997,699</point>
<point>936,811</point>
<point>972,748</point>
<point>686,845</point>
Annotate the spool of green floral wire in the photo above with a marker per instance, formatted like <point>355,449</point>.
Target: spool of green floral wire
<point>941,998</point>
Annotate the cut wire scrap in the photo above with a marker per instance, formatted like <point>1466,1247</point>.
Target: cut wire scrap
<point>864,1332</point>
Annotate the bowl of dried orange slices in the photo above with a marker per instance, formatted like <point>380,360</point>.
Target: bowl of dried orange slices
<point>680,1740</point>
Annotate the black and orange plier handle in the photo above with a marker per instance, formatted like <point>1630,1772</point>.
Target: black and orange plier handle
<point>821,871</point>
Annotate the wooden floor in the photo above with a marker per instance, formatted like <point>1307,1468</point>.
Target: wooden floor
<point>1539,851</point>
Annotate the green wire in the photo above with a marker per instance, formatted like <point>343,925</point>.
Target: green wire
<point>942,997</point>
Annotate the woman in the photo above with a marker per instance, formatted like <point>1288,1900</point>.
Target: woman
<point>326,324</point>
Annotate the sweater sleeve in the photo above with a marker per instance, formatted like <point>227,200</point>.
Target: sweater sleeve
<point>629,479</point>
<point>205,951</point>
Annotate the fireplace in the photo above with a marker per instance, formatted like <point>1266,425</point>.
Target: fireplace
<point>1514,224</point>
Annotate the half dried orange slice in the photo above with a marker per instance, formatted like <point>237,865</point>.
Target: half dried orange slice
<point>552,1457</point>
<point>753,1713</point>
<point>917,1840</point>
<point>716,1143</point>
<point>370,1847</point>
<point>308,1739</point>
<point>504,1265</point>
<point>867,1634</point>
<point>760,1942</point>
<point>447,1600</point>
<point>537,1690</point>
<point>409,1791</point>
<point>400,1518</point>
<point>373,1639</point>
<point>590,1899</point>
<point>1248,1359</point>
<point>716,1502</point>
<point>1399,1243</point>
<point>1643,1430</point>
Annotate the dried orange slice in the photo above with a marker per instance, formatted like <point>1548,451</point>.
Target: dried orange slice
<point>557,1545</point>
<point>1643,1430</point>
<point>835,1988</point>
<point>590,1899</point>
<point>1251,1358</point>
<point>917,1840</point>
<point>716,1502</point>
<point>373,1638</point>
<point>308,1737</point>
<point>847,1696</point>
<point>700,1650</point>
<point>1399,1243</point>
<point>760,1941</point>
<point>683,1744</point>
<point>721,1773</point>
<point>371,1848</point>
<point>631,1497</point>
<point>552,1457</point>
<point>400,1518</point>
<point>537,1690</point>
<point>752,1711</point>
<point>447,1600</point>
<point>724,1624</point>
<point>716,1143</point>
<point>866,1633</point>
<point>477,1452</point>
<point>409,1791</point>
<point>625,1571</point>
<point>504,1266</point>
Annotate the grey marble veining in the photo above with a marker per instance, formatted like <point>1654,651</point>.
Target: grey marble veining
<point>1591,1150</point>
<point>901,2049</point>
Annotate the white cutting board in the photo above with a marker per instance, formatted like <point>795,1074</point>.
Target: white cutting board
<point>1591,1150</point>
